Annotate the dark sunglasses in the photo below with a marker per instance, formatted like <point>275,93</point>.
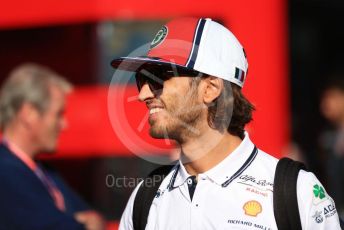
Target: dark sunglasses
<point>156,78</point>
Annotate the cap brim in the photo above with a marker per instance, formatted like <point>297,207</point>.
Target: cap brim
<point>136,63</point>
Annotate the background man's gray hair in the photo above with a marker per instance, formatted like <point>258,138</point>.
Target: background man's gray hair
<point>28,83</point>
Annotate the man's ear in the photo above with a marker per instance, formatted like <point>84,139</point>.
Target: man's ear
<point>28,114</point>
<point>213,89</point>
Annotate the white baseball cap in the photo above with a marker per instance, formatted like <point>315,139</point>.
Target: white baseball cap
<point>196,44</point>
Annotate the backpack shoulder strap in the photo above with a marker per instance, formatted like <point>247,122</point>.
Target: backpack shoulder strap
<point>286,208</point>
<point>145,195</point>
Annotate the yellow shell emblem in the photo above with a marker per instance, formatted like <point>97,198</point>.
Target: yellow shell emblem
<point>252,208</point>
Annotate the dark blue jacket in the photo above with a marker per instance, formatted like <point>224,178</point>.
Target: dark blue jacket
<point>25,203</point>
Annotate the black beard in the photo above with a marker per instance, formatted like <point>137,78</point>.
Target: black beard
<point>185,127</point>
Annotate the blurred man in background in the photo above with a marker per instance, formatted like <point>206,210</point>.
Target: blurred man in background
<point>332,141</point>
<point>32,104</point>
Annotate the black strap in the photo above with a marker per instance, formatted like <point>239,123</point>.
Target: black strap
<point>145,195</point>
<point>341,222</point>
<point>286,208</point>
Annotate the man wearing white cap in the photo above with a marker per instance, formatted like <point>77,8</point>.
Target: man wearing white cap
<point>191,82</point>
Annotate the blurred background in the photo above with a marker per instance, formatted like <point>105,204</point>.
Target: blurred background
<point>295,54</point>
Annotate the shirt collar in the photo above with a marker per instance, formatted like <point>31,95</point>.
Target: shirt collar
<point>181,175</point>
<point>227,170</point>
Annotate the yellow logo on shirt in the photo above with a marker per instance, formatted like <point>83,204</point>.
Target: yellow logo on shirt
<point>252,208</point>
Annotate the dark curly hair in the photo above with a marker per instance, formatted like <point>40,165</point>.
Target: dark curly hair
<point>230,111</point>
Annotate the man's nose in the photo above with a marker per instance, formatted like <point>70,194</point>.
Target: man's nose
<point>145,93</point>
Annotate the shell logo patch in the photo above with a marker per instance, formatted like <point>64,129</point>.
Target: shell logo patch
<point>252,208</point>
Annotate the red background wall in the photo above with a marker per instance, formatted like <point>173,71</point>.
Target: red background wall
<point>261,26</point>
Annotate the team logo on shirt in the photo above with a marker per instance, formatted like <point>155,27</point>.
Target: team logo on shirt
<point>330,210</point>
<point>252,208</point>
<point>256,183</point>
<point>244,224</point>
<point>319,191</point>
<point>318,217</point>
<point>319,194</point>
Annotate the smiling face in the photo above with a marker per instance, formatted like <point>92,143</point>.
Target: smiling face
<point>176,111</point>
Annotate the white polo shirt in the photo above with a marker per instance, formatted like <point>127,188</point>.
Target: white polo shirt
<point>235,194</point>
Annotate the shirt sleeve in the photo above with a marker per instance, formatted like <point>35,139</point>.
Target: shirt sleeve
<point>317,209</point>
<point>126,222</point>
